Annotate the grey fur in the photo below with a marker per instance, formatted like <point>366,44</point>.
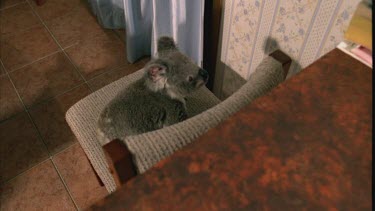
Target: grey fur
<point>166,43</point>
<point>157,99</point>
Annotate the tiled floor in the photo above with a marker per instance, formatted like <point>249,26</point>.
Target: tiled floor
<point>51,56</point>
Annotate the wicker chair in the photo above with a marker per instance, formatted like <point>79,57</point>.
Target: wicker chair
<point>118,161</point>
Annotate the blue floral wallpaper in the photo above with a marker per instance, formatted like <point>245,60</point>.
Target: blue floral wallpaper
<point>304,29</point>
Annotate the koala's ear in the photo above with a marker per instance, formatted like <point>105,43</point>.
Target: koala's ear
<point>156,70</point>
<point>166,43</point>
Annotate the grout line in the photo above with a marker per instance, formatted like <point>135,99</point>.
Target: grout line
<point>69,46</point>
<point>28,114</point>
<point>108,71</point>
<point>66,149</point>
<point>38,132</point>
<point>76,68</point>
<point>44,144</point>
<point>27,108</point>
<point>16,4</point>
<point>30,118</point>
<point>37,164</point>
<point>55,96</point>
<point>57,171</point>
<point>58,44</point>
<point>115,69</point>
<point>24,172</point>
<point>12,116</point>
<point>65,185</point>
<point>35,61</point>
<point>60,16</point>
<point>49,154</point>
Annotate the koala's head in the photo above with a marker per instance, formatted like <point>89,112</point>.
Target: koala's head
<point>172,72</point>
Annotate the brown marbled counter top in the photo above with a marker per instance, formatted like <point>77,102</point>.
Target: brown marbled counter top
<point>305,145</point>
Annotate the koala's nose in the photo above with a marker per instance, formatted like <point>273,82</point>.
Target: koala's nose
<point>203,73</point>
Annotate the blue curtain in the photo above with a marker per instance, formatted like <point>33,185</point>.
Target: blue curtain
<point>147,20</point>
<point>138,27</point>
<point>110,13</point>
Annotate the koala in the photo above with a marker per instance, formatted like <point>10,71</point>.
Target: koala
<point>157,99</point>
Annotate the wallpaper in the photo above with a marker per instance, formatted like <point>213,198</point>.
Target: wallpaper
<point>304,29</point>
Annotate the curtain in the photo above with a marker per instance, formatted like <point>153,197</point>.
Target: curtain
<point>147,20</point>
<point>109,13</point>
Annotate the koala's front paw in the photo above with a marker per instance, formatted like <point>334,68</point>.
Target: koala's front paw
<point>182,116</point>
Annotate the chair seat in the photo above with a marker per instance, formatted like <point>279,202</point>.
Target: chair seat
<point>149,148</point>
<point>82,118</point>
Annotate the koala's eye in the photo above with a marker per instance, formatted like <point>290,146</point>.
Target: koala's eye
<point>190,78</point>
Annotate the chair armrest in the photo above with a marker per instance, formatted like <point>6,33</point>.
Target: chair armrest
<point>284,59</point>
<point>120,161</point>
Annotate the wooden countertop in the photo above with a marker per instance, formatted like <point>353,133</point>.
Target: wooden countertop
<point>306,144</point>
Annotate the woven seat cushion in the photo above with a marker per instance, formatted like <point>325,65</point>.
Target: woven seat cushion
<point>147,152</point>
<point>82,118</point>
